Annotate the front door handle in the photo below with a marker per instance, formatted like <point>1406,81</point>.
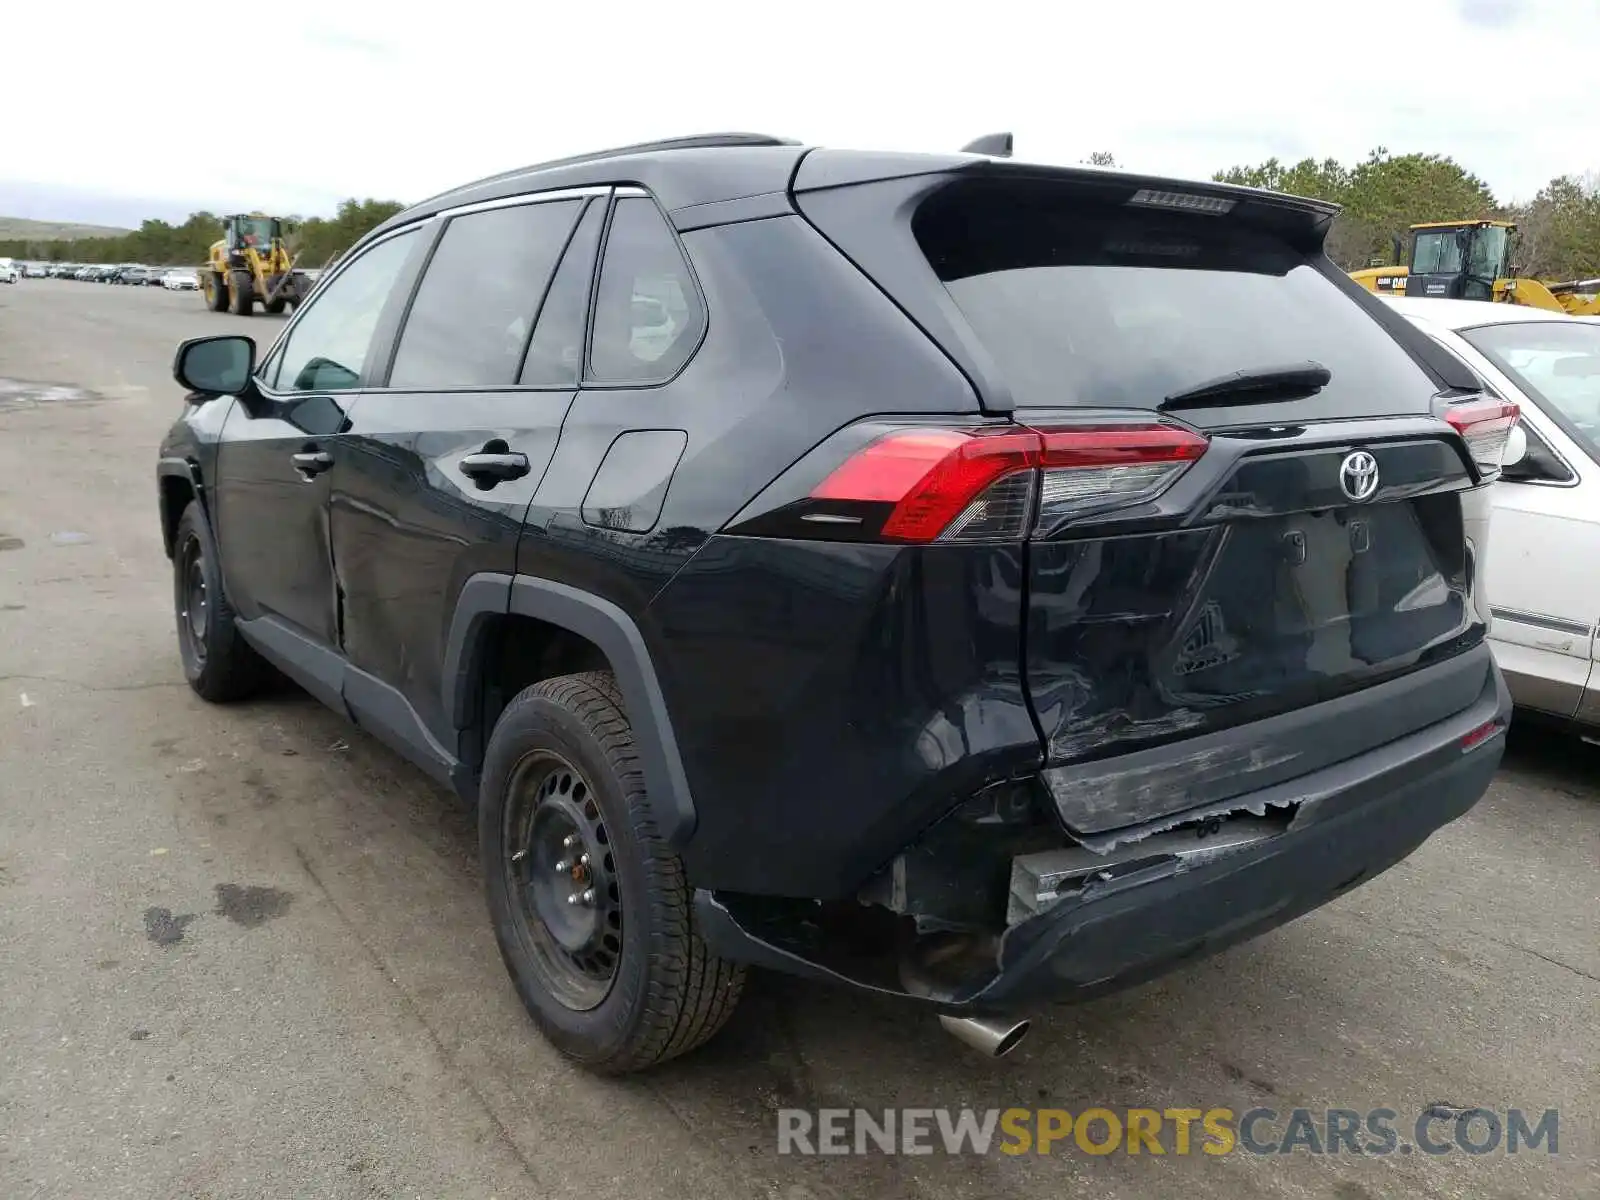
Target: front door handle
<point>487,468</point>
<point>312,462</point>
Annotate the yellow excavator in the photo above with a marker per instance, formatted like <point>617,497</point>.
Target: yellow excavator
<point>251,263</point>
<point>1467,260</point>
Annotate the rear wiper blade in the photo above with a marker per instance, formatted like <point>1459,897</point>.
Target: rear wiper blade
<point>1254,385</point>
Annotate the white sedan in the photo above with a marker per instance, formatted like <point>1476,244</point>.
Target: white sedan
<point>1543,573</point>
<point>179,280</point>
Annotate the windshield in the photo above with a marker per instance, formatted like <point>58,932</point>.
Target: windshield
<point>1120,307</point>
<point>1436,253</point>
<point>1557,363</point>
<point>256,233</point>
<point>1488,252</point>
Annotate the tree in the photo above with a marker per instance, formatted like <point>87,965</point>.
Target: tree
<point>1381,197</point>
<point>1558,231</point>
<point>1327,180</point>
<point>318,240</point>
<point>1101,158</point>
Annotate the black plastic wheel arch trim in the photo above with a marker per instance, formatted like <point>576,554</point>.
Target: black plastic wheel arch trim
<point>490,595</point>
<point>178,468</point>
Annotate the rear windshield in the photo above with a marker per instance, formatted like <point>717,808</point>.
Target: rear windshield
<point>1120,307</point>
<point>1557,361</point>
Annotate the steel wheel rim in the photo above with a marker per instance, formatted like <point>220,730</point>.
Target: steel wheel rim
<point>193,598</point>
<point>560,874</point>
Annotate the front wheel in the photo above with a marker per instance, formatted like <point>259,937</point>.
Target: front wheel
<point>218,663</point>
<point>216,290</point>
<point>591,909</point>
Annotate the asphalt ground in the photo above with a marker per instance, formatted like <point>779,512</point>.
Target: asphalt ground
<point>243,951</point>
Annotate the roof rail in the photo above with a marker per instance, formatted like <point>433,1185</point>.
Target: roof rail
<point>695,141</point>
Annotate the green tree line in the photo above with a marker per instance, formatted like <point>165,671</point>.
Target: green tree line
<point>316,240</point>
<point>1558,231</point>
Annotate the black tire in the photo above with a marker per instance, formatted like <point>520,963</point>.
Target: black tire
<point>567,741</point>
<point>241,295</point>
<point>218,663</point>
<point>274,306</point>
<point>216,290</point>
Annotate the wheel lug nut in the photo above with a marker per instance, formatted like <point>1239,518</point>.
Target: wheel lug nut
<point>568,842</point>
<point>588,896</point>
<point>583,860</point>
<point>572,897</point>
<point>563,866</point>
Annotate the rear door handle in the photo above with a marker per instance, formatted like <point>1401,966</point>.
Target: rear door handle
<point>488,469</point>
<point>312,462</point>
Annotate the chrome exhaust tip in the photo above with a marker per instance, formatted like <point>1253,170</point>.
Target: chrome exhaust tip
<point>993,1037</point>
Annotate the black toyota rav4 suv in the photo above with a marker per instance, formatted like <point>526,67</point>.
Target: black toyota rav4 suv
<point>958,579</point>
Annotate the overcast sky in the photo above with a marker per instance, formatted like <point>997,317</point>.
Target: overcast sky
<point>116,111</point>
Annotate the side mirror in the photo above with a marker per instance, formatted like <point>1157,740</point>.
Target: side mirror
<point>215,366</point>
<point>1516,447</point>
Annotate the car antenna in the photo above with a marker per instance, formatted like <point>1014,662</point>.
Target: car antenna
<point>996,145</point>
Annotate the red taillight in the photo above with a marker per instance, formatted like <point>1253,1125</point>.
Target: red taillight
<point>1113,445</point>
<point>1480,735</point>
<point>978,484</point>
<point>1484,425</point>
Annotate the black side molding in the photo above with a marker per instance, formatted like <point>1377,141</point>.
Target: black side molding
<point>383,710</point>
<point>611,629</point>
<point>364,699</point>
<point>314,667</point>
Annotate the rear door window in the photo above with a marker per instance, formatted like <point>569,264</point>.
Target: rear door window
<point>472,317</point>
<point>648,315</point>
<point>1119,307</point>
<point>555,354</point>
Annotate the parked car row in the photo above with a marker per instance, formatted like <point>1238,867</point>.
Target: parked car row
<point>130,275</point>
<point>127,274</point>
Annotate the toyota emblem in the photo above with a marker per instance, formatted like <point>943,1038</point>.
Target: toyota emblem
<point>1358,475</point>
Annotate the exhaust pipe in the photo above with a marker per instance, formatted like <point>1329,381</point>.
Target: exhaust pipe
<point>993,1037</point>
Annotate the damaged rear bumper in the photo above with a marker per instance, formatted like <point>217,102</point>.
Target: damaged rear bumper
<point>1149,912</point>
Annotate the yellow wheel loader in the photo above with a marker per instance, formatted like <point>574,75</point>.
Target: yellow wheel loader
<point>251,263</point>
<point>1467,260</point>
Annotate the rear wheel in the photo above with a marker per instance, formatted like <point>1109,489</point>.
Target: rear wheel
<point>218,663</point>
<point>274,306</point>
<point>216,290</point>
<point>590,908</point>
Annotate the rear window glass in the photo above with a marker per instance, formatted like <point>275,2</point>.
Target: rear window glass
<point>1086,305</point>
<point>1557,361</point>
